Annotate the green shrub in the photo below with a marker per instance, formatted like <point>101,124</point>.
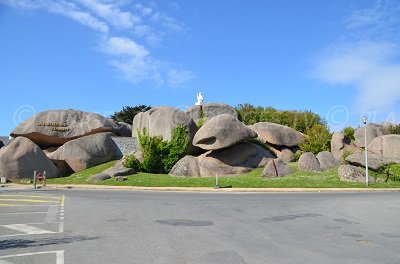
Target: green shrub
<point>318,139</point>
<point>177,147</point>
<point>301,121</point>
<point>345,154</point>
<point>391,171</point>
<point>349,132</point>
<point>130,161</point>
<point>297,155</point>
<point>394,129</point>
<point>160,156</point>
<point>128,113</point>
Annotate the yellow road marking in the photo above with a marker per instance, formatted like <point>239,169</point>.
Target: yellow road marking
<point>29,196</point>
<point>28,200</point>
<point>62,200</point>
<point>10,205</point>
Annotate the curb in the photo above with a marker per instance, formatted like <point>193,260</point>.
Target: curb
<point>199,189</point>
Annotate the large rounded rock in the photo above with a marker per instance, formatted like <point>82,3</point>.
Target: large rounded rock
<point>283,153</point>
<point>387,146</point>
<point>341,146</point>
<point>374,161</point>
<point>210,110</point>
<point>233,160</point>
<point>279,135</point>
<point>327,160</point>
<point>308,162</point>
<point>222,131</point>
<point>124,129</point>
<point>277,168</point>
<point>373,131</point>
<point>351,173</point>
<point>56,127</point>
<point>22,157</point>
<point>161,121</point>
<point>86,152</point>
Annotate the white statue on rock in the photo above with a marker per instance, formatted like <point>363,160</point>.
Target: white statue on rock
<point>199,99</point>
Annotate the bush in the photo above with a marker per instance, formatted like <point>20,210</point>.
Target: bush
<point>349,132</point>
<point>160,156</point>
<point>346,153</point>
<point>128,113</point>
<point>297,155</point>
<point>318,139</point>
<point>394,129</point>
<point>301,121</point>
<point>391,171</point>
<point>130,161</point>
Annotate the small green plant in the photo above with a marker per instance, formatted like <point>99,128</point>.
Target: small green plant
<point>394,129</point>
<point>201,118</point>
<point>319,139</point>
<point>346,153</point>
<point>297,155</point>
<point>130,161</point>
<point>160,156</point>
<point>349,132</point>
<point>391,171</point>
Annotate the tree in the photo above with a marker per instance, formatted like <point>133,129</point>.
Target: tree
<point>318,139</point>
<point>128,113</point>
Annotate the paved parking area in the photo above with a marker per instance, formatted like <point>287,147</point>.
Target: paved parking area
<point>26,217</point>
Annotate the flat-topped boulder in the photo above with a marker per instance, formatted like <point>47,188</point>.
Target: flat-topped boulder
<point>22,157</point>
<point>222,131</point>
<point>234,160</point>
<point>351,173</point>
<point>374,161</point>
<point>387,146</point>
<point>86,152</point>
<point>373,131</point>
<point>210,110</point>
<point>279,135</point>
<point>56,127</point>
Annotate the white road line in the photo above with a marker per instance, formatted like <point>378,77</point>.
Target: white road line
<point>62,218</point>
<point>19,213</point>
<point>27,229</point>
<point>61,227</point>
<point>59,255</point>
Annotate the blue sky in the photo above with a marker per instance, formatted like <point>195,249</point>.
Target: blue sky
<point>337,58</point>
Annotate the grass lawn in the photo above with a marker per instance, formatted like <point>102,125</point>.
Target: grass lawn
<point>327,179</point>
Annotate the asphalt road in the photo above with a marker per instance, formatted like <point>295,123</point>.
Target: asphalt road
<point>158,227</point>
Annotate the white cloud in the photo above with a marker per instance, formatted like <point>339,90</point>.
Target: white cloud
<point>112,13</point>
<point>70,10</point>
<point>179,77</point>
<point>131,59</point>
<point>367,59</point>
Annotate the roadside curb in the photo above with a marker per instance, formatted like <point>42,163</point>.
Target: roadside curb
<point>196,189</point>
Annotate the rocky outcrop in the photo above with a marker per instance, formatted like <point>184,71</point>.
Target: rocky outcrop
<point>56,127</point>
<point>308,162</point>
<point>115,171</point>
<point>124,146</point>
<point>161,121</point>
<point>327,160</point>
<point>373,131</point>
<point>283,153</point>
<point>238,159</point>
<point>351,173</point>
<point>222,131</point>
<point>387,146</point>
<point>279,135</point>
<point>277,168</point>
<point>374,161</point>
<point>22,157</point>
<point>341,146</point>
<point>210,110</point>
<point>124,129</point>
<point>86,152</point>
